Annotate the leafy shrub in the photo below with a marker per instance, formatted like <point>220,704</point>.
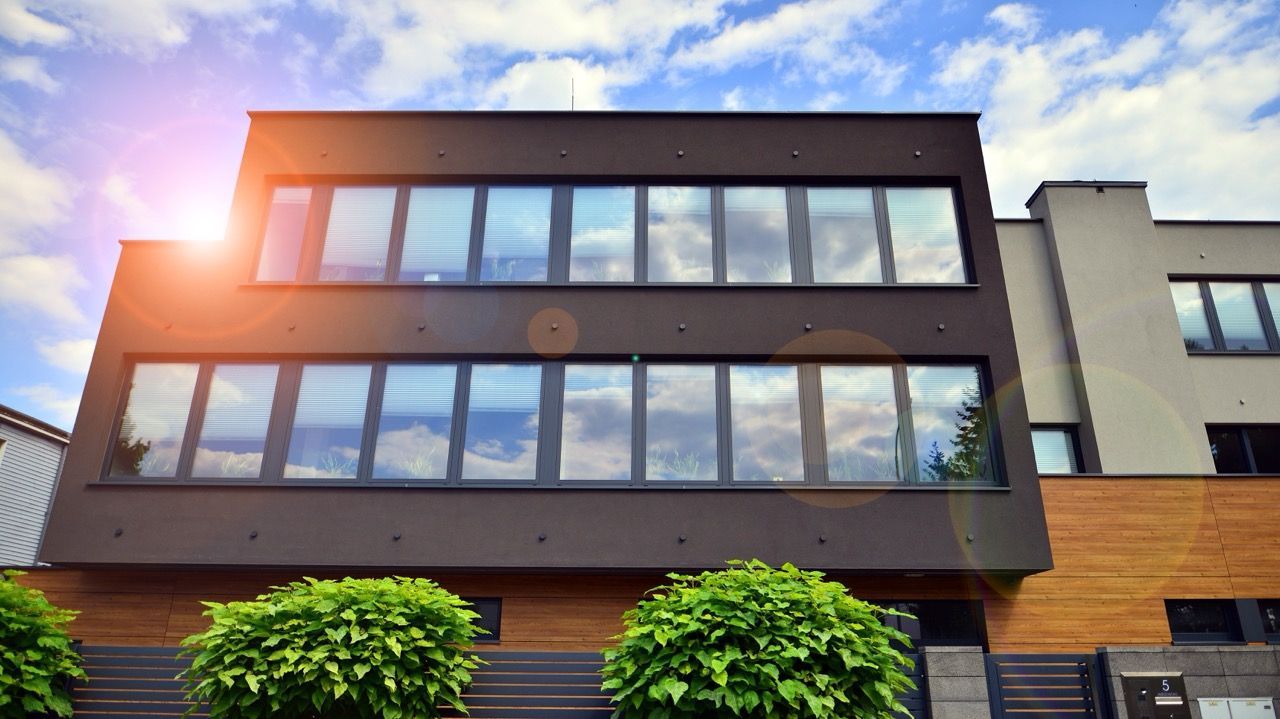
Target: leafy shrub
<point>389,648</point>
<point>753,641</point>
<point>36,655</point>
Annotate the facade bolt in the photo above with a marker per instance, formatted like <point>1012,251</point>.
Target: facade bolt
<point>941,327</point>
<point>564,153</point>
<point>679,153</point>
<point>968,537</point>
<point>683,327</point>
<point>253,534</point>
<point>1242,400</point>
<point>542,537</point>
<point>808,326</point>
<point>822,539</point>
<point>440,153</point>
<point>555,326</point>
<point>682,539</point>
<point>324,153</point>
<point>1202,255</point>
<point>919,153</point>
<point>292,327</point>
<point>795,153</point>
<point>168,326</point>
<point>396,537</point>
<point>421,327</point>
<point>118,532</point>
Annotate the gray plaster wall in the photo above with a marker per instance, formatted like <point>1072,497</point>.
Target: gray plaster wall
<point>1134,385</point>
<point>957,682</point>
<point>1248,672</point>
<point>1037,323</point>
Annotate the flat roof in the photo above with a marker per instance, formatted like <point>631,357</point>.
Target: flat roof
<point>1081,183</point>
<point>619,113</point>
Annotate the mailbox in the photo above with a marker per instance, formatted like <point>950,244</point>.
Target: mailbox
<point>1155,695</point>
<point>1260,708</point>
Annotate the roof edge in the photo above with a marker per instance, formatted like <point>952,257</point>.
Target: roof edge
<point>1081,183</point>
<point>33,423</point>
<point>618,113</point>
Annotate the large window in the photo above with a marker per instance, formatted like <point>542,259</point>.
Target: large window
<point>1227,316</point>
<point>1245,449</point>
<point>661,234</point>
<point>1203,621</point>
<point>551,423</point>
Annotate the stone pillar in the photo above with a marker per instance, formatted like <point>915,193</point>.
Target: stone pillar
<point>957,678</point>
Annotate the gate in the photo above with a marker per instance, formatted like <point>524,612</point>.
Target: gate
<point>1046,686</point>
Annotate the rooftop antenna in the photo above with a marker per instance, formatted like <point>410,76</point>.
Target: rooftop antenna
<point>571,97</point>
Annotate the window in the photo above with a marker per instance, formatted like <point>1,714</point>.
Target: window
<point>1270,609</point>
<point>577,424</point>
<point>1057,450</point>
<point>1227,316</point>
<point>1245,449</point>
<point>713,234</point>
<point>940,622</point>
<point>490,611</point>
<point>1203,621</point>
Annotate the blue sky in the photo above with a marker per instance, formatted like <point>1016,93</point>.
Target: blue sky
<point>127,119</point>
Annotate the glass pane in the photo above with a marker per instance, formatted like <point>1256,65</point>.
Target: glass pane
<point>282,242</point>
<point>437,234</point>
<point>596,435</point>
<point>1055,451</point>
<point>1264,443</point>
<point>680,234</point>
<point>680,423</point>
<point>1189,305</point>
<point>355,242</point>
<point>1270,615</point>
<point>1200,616</point>
<point>517,231</point>
<point>756,234</point>
<point>765,405</point>
<point>950,423</point>
<point>860,415</point>
<point>329,422</point>
<point>234,432</point>
<point>1238,315</point>
<point>1272,291</point>
<point>155,420</point>
<point>603,245</point>
<point>924,234</point>
<point>1227,447</point>
<point>842,235</point>
<point>414,425</point>
<point>502,422</point>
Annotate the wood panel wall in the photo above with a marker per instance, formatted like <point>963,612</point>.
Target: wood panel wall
<point>1120,546</point>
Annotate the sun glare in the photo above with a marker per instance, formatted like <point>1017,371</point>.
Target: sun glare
<point>199,222</point>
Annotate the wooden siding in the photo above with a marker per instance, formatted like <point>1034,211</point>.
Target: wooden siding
<point>29,466</point>
<point>1120,546</point>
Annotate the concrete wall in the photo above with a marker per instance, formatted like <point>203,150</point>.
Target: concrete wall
<point>1209,672</point>
<point>957,679</point>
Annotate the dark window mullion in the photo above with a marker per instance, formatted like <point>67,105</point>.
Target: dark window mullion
<point>399,220</point>
<point>719,253</point>
<point>724,426</point>
<point>461,396</point>
<point>642,234</point>
<point>550,417</point>
<point>476,251</point>
<point>313,236</point>
<point>280,427</point>
<point>195,421</point>
<point>812,431</point>
<point>373,414</point>
<point>1248,449</point>
<point>561,228</point>
<point>880,201</point>
<point>639,452</point>
<point>798,225</point>
<point>1211,314</point>
<point>1268,320</point>
<point>906,463</point>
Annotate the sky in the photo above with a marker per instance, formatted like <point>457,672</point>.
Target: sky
<point>126,119</point>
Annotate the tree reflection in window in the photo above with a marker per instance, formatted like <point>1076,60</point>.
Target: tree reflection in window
<point>950,423</point>
<point>155,420</point>
<point>680,426</point>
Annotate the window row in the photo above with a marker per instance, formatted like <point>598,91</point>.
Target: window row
<point>1247,449</point>
<point>555,423</point>
<point>1228,316</point>
<point>610,234</point>
<point>1216,621</point>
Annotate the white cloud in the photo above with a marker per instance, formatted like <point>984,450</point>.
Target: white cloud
<point>21,26</point>
<point>732,100</point>
<point>29,70</point>
<point>32,197</point>
<point>545,84</point>
<point>118,189</point>
<point>827,101</point>
<point>41,286</point>
<point>1016,17</point>
<point>70,355</point>
<point>58,407</point>
<point>1171,105</point>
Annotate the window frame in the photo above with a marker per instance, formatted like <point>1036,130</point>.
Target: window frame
<point>1263,306</point>
<point>1073,432</point>
<point>558,256</point>
<point>1242,434</point>
<point>284,405</point>
<point>1233,635</point>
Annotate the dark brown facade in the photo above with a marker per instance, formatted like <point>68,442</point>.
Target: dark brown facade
<point>178,302</point>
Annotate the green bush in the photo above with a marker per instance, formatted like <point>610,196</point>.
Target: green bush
<point>391,648</point>
<point>753,641</point>
<point>36,655</point>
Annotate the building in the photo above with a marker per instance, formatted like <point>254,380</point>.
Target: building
<point>547,357</point>
<point>31,453</point>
